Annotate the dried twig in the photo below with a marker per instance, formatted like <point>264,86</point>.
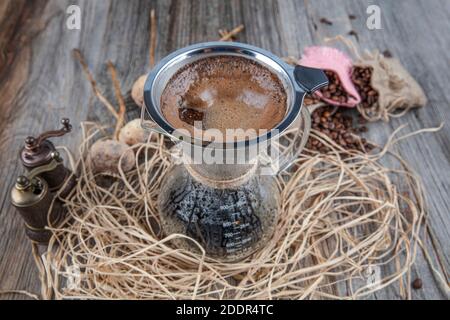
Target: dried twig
<point>122,108</point>
<point>78,55</point>
<point>223,32</point>
<point>226,36</point>
<point>153,34</point>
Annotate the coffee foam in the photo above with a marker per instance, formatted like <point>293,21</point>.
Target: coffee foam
<point>224,92</point>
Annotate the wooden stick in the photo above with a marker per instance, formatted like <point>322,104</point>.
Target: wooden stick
<point>153,33</point>
<point>78,55</point>
<point>223,32</point>
<point>232,33</point>
<point>122,108</point>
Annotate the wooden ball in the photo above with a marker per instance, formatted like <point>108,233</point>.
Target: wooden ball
<point>137,92</point>
<point>105,156</point>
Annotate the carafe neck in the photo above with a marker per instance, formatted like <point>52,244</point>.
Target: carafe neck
<point>222,176</point>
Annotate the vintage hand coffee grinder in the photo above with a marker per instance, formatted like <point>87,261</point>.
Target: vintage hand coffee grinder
<point>34,192</point>
<point>33,199</point>
<point>38,152</point>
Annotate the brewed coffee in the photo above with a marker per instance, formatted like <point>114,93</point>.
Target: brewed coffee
<point>224,92</point>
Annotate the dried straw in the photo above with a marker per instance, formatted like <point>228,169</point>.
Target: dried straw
<point>342,219</point>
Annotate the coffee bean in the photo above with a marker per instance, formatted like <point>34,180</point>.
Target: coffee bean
<point>387,54</point>
<point>353,33</point>
<point>363,129</point>
<point>326,21</point>
<point>417,284</point>
<point>362,120</point>
<point>311,100</point>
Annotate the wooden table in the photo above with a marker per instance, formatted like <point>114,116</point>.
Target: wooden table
<point>40,82</point>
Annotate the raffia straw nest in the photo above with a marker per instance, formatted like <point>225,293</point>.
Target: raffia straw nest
<point>345,230</point>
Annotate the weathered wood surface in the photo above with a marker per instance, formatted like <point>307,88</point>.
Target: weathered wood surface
<point>40,82</point>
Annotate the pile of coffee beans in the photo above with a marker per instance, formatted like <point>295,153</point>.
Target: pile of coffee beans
<point>340,127</point>
<point>311,99</point>
<point>334,91</point>
<point>361,79</point>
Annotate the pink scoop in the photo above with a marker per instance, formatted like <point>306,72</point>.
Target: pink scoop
<point>327,58</point>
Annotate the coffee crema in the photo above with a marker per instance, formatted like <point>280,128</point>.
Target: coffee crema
<point>224,92</point>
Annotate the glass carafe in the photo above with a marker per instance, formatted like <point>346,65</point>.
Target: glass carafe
<point>221,193</point>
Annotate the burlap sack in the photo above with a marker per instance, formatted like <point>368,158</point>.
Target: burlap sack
<point>397,90</point>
